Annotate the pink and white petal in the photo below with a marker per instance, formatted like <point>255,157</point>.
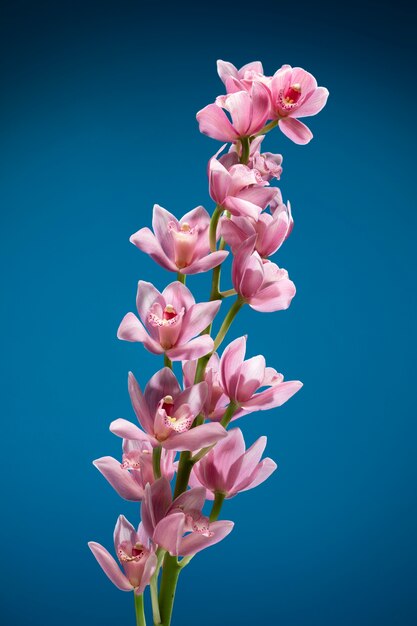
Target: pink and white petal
<point>273,397</point>
<point>252,277</point>
<point>275,297</point>
<point>213,122</point>
<point>228,451</point>
<point>219,180</point>
<point>226,69</point>
<point>169,531</point>
<point>230,364</point>
<point>239,105</point>
<point>253,66</point>
<point>146,241</point>
<point>121,480</point>
<point>197,217</point>
<point>123,531</point>
<point>146,295</point>
<point>272,377</point>
<point>260,196</point>
<point>189,501</point>
<point>109,566</point>
<point>261,103</point>
<point>148,572</point>
<point>252,373</point>
<point>189,369</point>
<point>306,80</point>
<point>251,458</point>
<point>194,396</point>
<point>163,383</point>
<point>139,404</point>
<point>194,542</point>
<point>126,430</point>
<point>194,349</point>
<point>178,295</point>
<point>160,220</point>
<point>239,206</point>
<point>197,318</point>
<point>131,329</point>
<point>155,504</point>
<point>196,438</point>
<point>295,130</point>
<point>206,263</point>
<point>313,103</point>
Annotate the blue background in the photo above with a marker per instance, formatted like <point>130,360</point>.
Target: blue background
<point>97,124</point>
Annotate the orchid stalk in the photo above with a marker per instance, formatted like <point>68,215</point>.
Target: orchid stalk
<point>184,458</point>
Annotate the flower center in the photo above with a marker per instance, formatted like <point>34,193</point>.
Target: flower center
<point>169,312</point>
<point>167,404</point>
<point>136,552</point>
<point>185,240</point>
<point>293,93</point>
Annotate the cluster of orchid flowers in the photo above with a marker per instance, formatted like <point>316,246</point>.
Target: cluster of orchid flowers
<point>192,418</point>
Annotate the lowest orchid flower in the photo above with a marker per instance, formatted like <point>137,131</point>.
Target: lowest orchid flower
<point>229,468</point>
<point>170,320</point>
<point>179,245</point>
<point>166,414</point>
<point>135,553</point>
<point>179,526</point>
<point>179,459</point>
<point>130,477</point>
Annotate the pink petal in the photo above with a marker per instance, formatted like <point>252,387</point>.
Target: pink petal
<point>252,277</point>
<point>127,430</point>
<point>253,66</point>
<point>230,364</point>
<point>146,241</point>
<point>260,196</point>
<point>240,105</point>
<point>148,572</point>
<point>219,179</point>
<point>194,542</point>
<point>213,122</point>
<point>189,501</point>
<point>239,206</point>
<point>178,295</point>
<point>155,504</point>
<point>261,104</point>
<point>160,220</point>
<point>206,263</point>
<point>123,531</point>
<point>226,69</point>
<point>196,438</point>
<point>197,318</point>
<point>272,397</point>
<point>194,349</point>
<point>139,405</point>
<point>121,480</point>
<point>275,297</point>
<point>261,473</point>
<point>252,372</point>
<point>194,396</point>
<point>313,103</point>
<point>295,130</point>
<point>197,217</point>
<point>109,566</point>
<point>131,329</point>
<point>163,383</point>
<point>169,531</point>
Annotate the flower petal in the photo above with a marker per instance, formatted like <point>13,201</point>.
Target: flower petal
<point>194,349</point>
<point>160,220</point>
<point>313,103</point>
<point>169,531</point>
<point>121,480</point>
<point>131,329</point>
<point>109,566</point>
<point>230,364</point>
<point>196,438</point>
<point>206,263</point>
<point>295,130</point>
<point>127,430</point>
<point>194,542</point>
<point>163,383</point>
<point>145,240</point>
<point>272,397</point>
<point>213,122</point>
<point>139,404</point>
<point>197,318</point>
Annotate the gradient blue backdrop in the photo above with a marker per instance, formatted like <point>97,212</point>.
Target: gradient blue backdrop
<point>97,124</point>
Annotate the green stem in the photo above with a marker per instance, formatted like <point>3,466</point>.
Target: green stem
<point>156,615</point>
<point>156,462</point>
<point>244,158</point>
<point>230,411</point>
<point>139,610</point>
<point>217,505</point>
<point>181,277</point>
<point>185,466</point>
<point>213,227</point>
<point>170,572</point>
<point>167,362</point>
<point>228,293</point>
<point>234,310</point>
<point>267,128</point>
<point>215,283</point>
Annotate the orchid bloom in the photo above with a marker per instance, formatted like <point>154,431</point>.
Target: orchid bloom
<point>166,414</point>
<point>216,400</point>
<point>244,76</point>
<point>172,318</point>
<point>229,468</point>
<point>261,284</point>
<point>179,245</point>
<point>179,526</point>
<point>248,110</point>
<point>241,380</point>
<point>270,230</point>
<point>240,190</point>
<point>135,554</point>
<point>294,94</point>
<point>130,477</point>
<point>266,165</point>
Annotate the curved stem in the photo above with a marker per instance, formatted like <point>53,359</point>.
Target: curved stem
<point>217,505</point>
<point>170,572</point>
<point>234,310</point>
<point>181,277</point>
<point>230,411</point>
<point>244,158</point>
<point>267,128</point>
<point>213,227</point>
<point>139,610</point>
<point>167,362</point>
<point>156,462</point>
<point>156,615</point>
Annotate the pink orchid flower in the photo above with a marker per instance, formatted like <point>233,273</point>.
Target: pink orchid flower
<point>179,526</point>
<point>262,284</point>
<point>240,190</point>
<point>135,554</point>
<point>266,164</point>
<point>241,380</point>
<point>248,110</point>
<point>270,230</point>
<point>130,477</point>
<point>172,318</point>
<point>229,468</point>
<point>216,399</point>
<point>294,94</point>
<point>246,74</point>
<point>179,245</point>
<point>166,414</point>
